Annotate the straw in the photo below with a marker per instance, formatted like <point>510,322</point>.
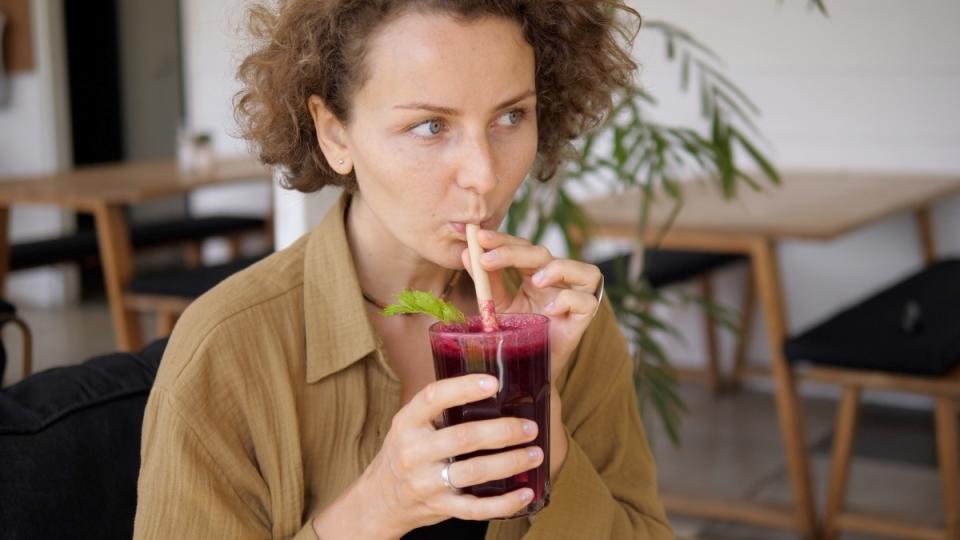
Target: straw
<point>488,315</point>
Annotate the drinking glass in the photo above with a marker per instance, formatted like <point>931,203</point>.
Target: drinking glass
<point>518,355</point>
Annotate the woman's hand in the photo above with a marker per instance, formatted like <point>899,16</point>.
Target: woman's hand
<point>403,489</point>
<point>562,289</point>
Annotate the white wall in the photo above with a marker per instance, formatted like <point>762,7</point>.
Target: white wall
<point>213,48</point>
<point>33,127</point>
<point>874,86</point>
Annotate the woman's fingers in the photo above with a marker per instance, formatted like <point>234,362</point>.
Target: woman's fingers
<point>493,239</point>
<point>478,435</point>
<point>576,275</point>
<point>526,258</point>
<point>485,508</point>
<point>501,297</point>
<point>569,301</point>
<point>482,469</point>
<point>440,395</point>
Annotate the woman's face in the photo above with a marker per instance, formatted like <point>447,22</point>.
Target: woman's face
<point>444,130</point>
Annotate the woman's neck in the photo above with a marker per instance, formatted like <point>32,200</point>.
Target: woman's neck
<point>385,266</point>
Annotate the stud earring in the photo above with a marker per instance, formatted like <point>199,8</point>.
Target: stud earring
<point>340,161</point>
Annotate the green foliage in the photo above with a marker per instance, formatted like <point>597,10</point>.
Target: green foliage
<point>411,301</point>
<point>631,150</point>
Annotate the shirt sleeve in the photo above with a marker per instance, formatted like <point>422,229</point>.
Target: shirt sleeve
<point>184,489</point>
<point>607,485</point>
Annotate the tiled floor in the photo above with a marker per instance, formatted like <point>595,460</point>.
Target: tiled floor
<point>731,449</point>
<point>731,444</point>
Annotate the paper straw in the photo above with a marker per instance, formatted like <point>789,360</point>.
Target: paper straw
<point>488,315</point>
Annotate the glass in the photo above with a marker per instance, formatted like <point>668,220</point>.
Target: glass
<point>518,355</point>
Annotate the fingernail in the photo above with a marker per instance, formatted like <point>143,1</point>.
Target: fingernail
<point>526,495</point>
<point>487,382</point>
<point>485,234</point>
<point>529,427</point>
<point>538,277</point>
<point>534,454</point>
<point>549,307</point>
<point>490,256</point>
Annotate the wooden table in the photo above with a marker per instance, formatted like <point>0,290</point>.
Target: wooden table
<point>810,205</point>
<point>106,191</point>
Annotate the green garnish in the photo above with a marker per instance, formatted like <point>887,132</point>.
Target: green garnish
<point>411,301</point>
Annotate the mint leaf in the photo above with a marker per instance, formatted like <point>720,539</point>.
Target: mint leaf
<point>411,301</point>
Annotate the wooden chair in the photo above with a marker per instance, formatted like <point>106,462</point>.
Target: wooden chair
<point>905,339</point>
<point>664,267</point>
<point>168,293</point>
<point>8,314</point>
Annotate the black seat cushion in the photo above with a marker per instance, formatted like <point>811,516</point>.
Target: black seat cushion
<point>190,282</point>
<point>70,448</point>
<point>178,230</point>
<point>74,247</point>
<point>664,267</point>
<point>910,327</point>
<point>83,244</point>
<point>451,528</point>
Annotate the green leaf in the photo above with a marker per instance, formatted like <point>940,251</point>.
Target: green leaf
<point>758,157</point>
<point>412,301</point>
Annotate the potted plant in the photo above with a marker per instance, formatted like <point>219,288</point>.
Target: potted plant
<point>630,150</point>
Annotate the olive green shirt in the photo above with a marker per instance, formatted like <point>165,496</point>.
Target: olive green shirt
<point>273,397</point>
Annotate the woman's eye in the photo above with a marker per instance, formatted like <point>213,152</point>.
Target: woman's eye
<point>510,118</point>
<point>430,128</point>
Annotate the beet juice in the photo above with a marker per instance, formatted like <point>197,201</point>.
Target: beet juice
<point>519,356</point>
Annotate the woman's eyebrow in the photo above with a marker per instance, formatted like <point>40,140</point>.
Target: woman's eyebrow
<point>447,111</point>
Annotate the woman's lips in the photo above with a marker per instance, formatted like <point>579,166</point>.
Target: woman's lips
<point>461,227</point>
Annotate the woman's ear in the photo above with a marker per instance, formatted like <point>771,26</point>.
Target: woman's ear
<point>331,135</point>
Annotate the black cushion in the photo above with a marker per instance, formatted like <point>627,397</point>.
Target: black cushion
<point>83,244</point>
<point>6,308</point>
<point>73,247</point>
<point>190,282</point>
<point>662,267</point>
<point>178,230</point>
<point>450,529</point>
<point>70,448</point>
<point>910,327</point>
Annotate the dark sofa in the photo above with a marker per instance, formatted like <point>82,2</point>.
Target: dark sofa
<point>70,448</point>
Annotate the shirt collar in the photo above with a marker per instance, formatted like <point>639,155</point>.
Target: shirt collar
<point>338,332</point>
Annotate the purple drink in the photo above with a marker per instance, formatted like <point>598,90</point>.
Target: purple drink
<point>519,356</point>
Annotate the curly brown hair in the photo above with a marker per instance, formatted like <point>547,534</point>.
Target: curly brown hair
<point>316,47</point>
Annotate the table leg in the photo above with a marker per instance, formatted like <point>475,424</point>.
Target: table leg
<point>767,276</point>
<point>113,236</point>
<point>714,378</point>
<point>928,247</point>
<point>4,248</point>
<point>746,330</point>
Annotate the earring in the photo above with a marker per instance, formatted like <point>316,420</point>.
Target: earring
<point>340,161</point>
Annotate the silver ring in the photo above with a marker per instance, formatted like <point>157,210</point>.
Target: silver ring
<point>598,294</point>
<point>445,476</point>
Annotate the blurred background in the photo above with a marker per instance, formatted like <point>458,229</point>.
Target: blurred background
<point>861,86</point>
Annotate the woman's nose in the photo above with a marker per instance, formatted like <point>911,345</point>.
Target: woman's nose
<point>477,170</point>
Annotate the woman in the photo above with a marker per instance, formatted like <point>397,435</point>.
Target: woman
<point>286,404</point>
